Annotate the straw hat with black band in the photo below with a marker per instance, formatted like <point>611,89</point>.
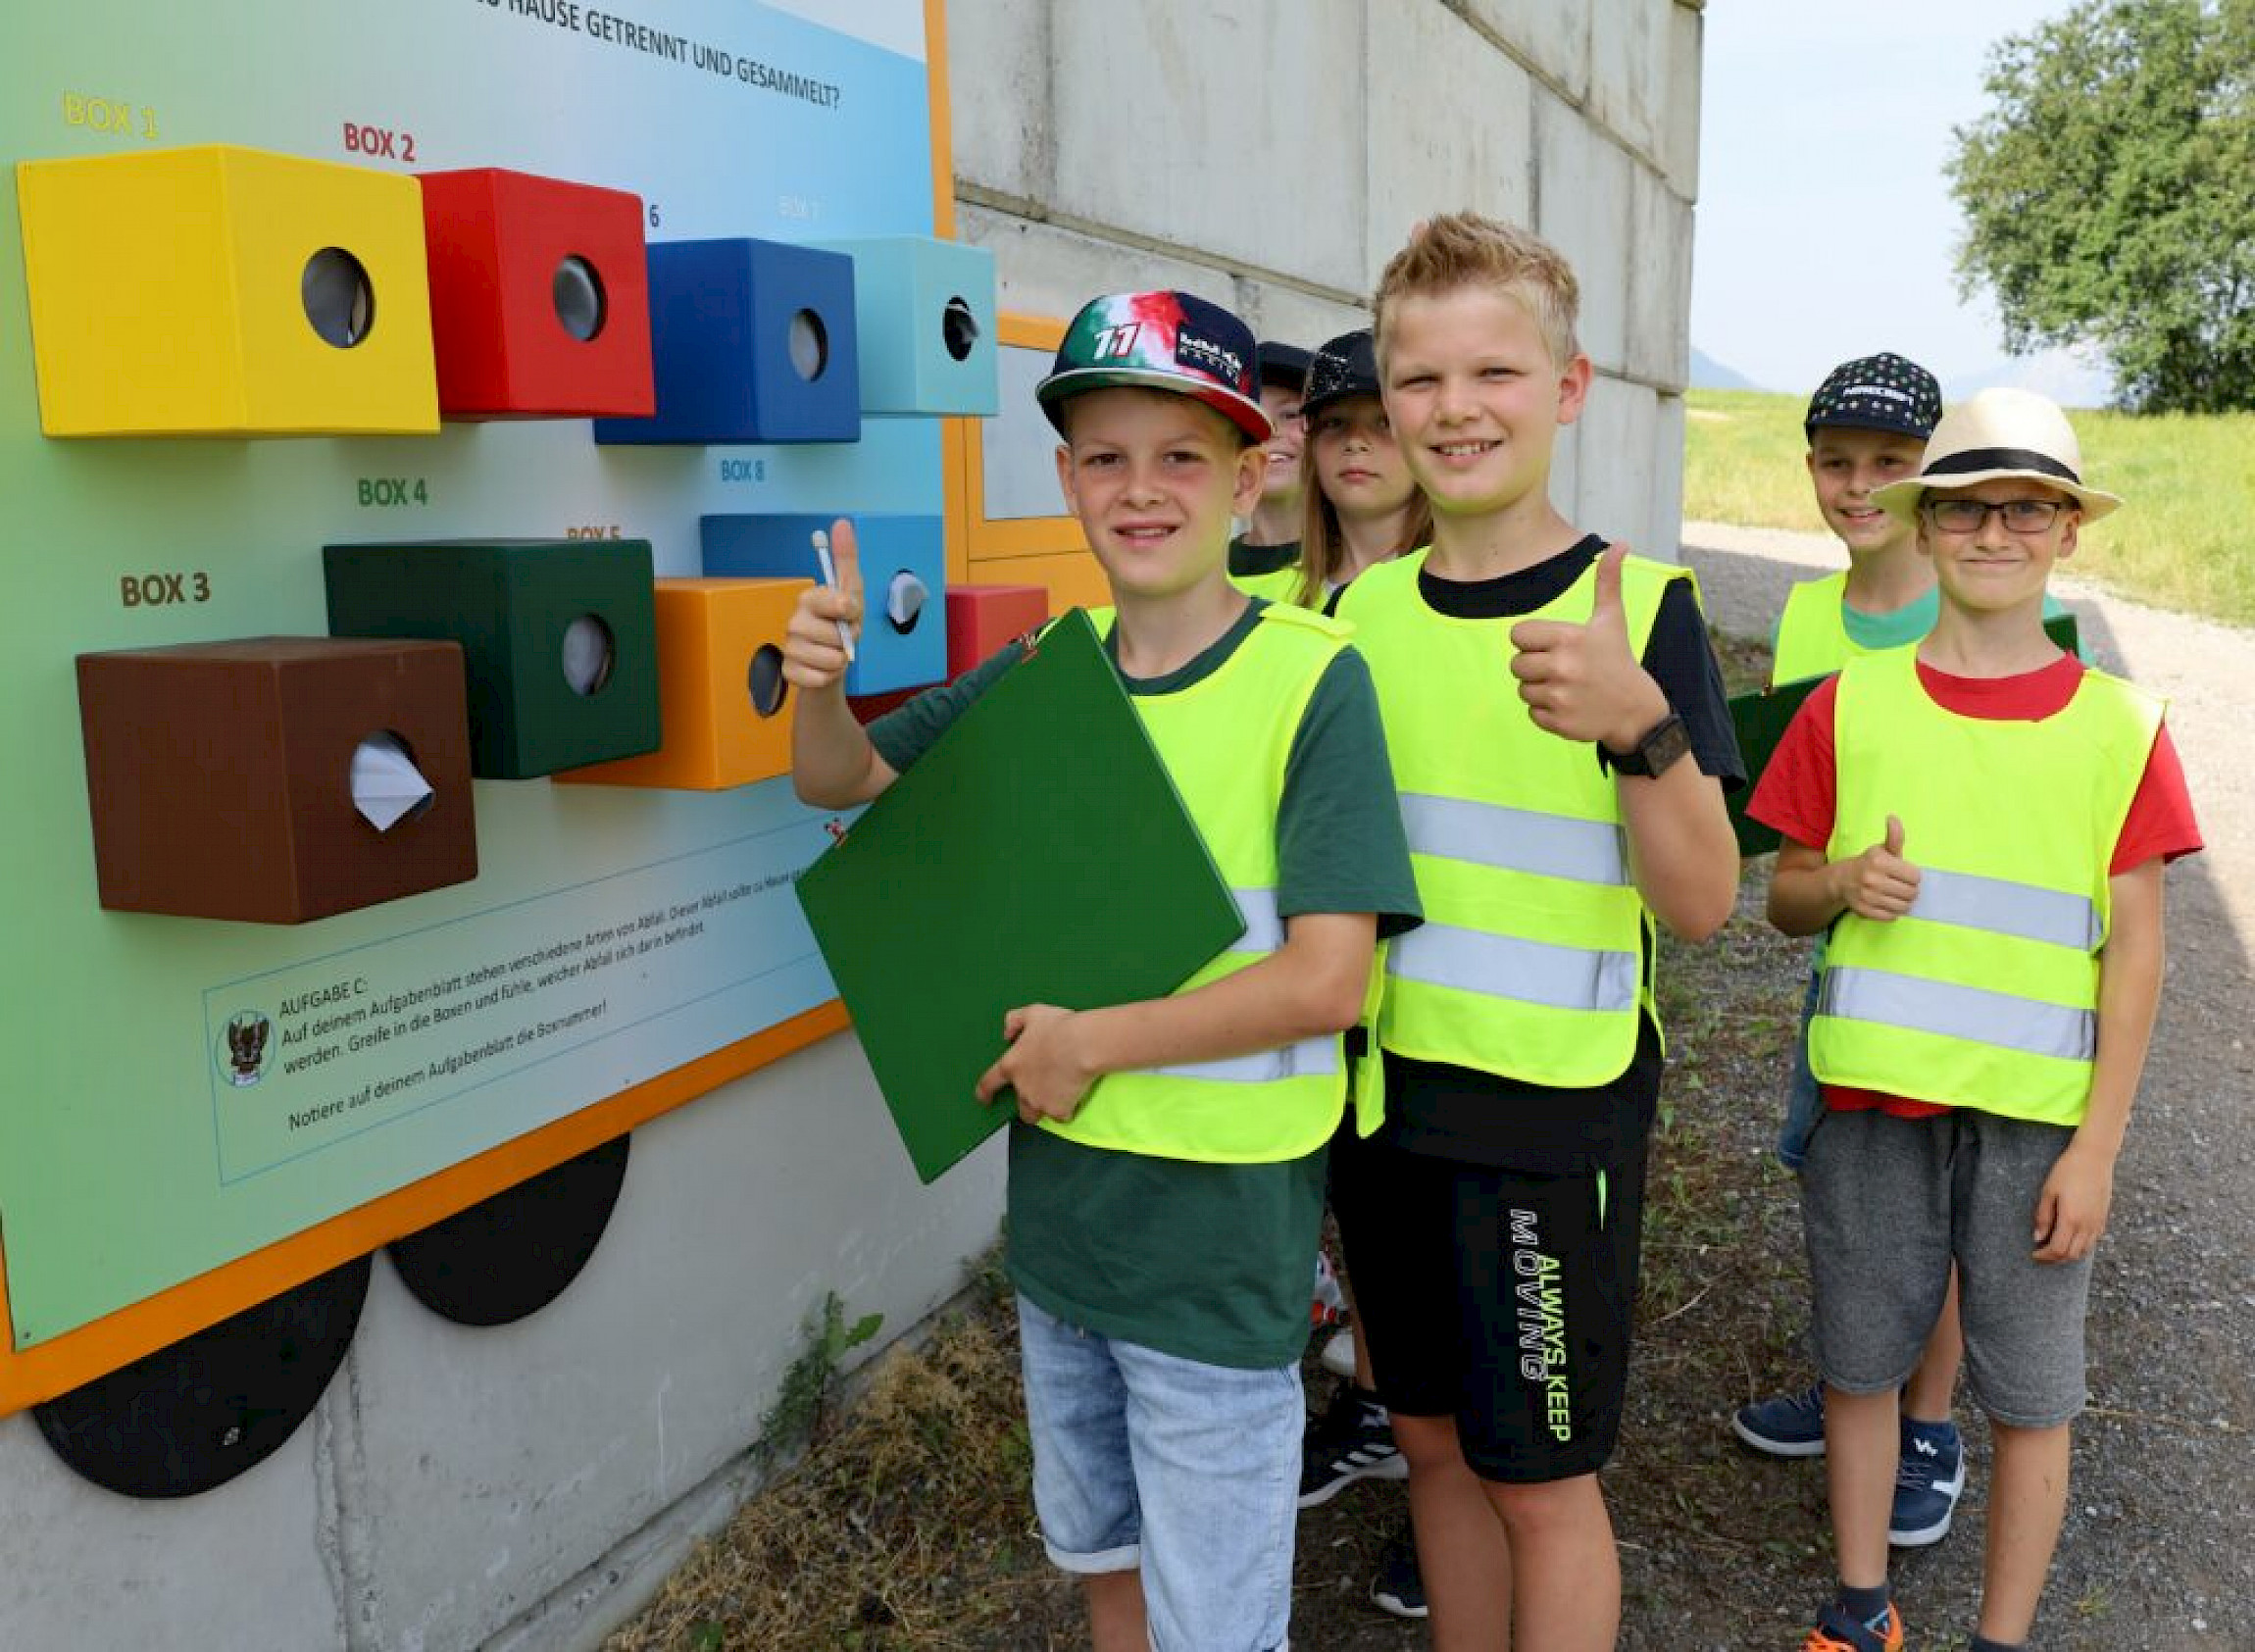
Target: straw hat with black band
<point>1996,436</point>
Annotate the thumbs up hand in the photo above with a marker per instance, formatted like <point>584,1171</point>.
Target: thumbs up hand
<point>1879,883</point>
<point>813,642</point>
<point>1584,681</point>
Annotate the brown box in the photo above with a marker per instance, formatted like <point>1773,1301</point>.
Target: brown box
<point>220,775</point>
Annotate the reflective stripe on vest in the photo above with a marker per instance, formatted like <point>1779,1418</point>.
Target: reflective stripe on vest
<point>1530,963</point>
<point>1225,739</point>
<point>1518,839</point>
<point>1985,993</point>
<point>1264,934</point>
<point>1529,972</point>
<point>2005,908</point>
<point>1973,1012</point>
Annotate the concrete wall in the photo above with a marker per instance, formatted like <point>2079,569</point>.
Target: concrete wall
<point>1271,155</point>
<point>522,1489</point>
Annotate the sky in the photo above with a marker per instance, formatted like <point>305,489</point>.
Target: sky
<point>1825,224</point>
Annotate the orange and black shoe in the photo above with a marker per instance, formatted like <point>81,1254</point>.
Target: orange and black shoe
<point>1838,1631</point>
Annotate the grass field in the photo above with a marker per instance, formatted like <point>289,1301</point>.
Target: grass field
<point>2185,541</point>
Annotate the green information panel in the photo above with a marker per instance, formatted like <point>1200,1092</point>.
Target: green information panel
<point>187,1089</point>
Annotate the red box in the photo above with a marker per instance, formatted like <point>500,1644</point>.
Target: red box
<point>539,297</point>
<point>983,617</point>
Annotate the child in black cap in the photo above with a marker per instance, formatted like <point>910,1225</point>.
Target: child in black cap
<point>1363,505</point>
<point>1261,558</point>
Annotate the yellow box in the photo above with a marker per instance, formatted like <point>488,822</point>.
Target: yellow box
<point>187,291</point>
<point>719,657</point>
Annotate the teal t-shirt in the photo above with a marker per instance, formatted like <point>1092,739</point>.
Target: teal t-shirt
<point>1911,622</point>
<point>1205,1262</point>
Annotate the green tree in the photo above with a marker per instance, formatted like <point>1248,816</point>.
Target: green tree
<point>2109,195</point>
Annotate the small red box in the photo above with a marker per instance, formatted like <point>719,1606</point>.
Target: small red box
<point>983,617</point>
<point>539,297</point>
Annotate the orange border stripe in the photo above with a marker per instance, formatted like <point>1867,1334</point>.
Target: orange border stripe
<point>78,1356</point>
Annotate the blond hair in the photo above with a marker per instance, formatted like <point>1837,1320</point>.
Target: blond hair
<point>1464,249</point>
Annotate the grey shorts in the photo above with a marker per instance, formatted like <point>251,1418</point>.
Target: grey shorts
<point>1886,1204</point>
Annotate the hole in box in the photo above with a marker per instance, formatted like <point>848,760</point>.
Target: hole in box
<point>578,293</point>
<point>767,687</point>
<point>339,300</point>
<point>905,599</point>
<point>387,789</point>
<point>589,652</point>
<point>958,329</point>
<point>810,345</point>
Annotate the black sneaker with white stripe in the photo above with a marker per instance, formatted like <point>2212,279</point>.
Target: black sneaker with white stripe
<point>1353,1440</point>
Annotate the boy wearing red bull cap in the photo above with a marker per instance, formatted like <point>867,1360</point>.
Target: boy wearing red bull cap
<point>1166,1165</point>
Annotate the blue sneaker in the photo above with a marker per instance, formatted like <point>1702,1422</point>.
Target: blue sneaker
<point>1786,1424</point>
<point>1398,1587</point>
<point>1929,1481</point>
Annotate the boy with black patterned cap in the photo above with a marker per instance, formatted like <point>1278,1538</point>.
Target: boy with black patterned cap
<point>1261,557</point>
<point>1167,1165</point>
<point>1990,986</point>
<point>1867,425</point>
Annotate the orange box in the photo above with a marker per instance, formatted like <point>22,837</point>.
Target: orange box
<point>722,699</point>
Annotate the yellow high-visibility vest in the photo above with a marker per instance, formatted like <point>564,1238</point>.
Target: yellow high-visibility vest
<point>1986,995</point>
<point>1225,739</point>
<point>1530,963</point>
<point>1813,637</point>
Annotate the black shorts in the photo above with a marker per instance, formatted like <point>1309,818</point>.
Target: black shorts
<point>1502,1298</point>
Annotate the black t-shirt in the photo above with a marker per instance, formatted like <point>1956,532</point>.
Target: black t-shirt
<point>1481,1117</point>
<point>1248,561</point>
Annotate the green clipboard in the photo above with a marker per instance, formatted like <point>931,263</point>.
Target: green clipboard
<point>1761,719</point>
<point>1037,853</point>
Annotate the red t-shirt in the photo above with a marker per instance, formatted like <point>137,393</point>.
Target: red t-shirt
<point>1798,792</point>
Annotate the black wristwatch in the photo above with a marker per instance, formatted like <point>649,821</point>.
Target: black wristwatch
<point>1659,747</point>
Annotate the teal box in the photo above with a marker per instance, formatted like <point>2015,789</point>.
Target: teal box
<point>904,584</point>
<point>559,639</point>
<point>924,319</point>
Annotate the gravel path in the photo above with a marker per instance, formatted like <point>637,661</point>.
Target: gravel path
<point>2159,1550</point>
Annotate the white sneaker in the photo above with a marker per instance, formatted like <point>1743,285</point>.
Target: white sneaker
<point>1339,1355</point>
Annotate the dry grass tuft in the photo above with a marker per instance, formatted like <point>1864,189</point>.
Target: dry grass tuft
<point>906,1528</point>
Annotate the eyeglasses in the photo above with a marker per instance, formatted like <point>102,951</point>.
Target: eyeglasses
<point>1971,516</point>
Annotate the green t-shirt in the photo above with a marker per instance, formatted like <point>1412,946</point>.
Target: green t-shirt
<point>1206,1262</point>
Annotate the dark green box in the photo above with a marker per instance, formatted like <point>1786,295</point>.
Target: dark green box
<point>559,637</point>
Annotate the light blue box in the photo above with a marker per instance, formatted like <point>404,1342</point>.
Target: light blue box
<point>902,557</point>
<point>924,311</point>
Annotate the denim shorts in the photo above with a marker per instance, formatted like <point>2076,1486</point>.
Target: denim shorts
<point>1804,1101</point>
<point>1187,1471</point>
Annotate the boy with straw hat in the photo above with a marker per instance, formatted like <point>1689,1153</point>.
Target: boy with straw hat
<point>1986,1006</point>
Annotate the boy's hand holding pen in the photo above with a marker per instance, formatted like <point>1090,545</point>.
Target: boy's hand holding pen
<point>818,642</point>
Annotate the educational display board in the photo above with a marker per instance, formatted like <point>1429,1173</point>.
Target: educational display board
<point>296,445</point>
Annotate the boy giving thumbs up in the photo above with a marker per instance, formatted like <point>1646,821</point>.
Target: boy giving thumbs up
<point>1561,743</point>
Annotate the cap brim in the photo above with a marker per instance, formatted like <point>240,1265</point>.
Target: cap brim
<point>1900,499</point>
<point>1247,415</point>
<point>1314,405</point>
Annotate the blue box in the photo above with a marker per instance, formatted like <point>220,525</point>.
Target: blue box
<point>894,550</point>
<point>752,341</point>
<point>924,311</point>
